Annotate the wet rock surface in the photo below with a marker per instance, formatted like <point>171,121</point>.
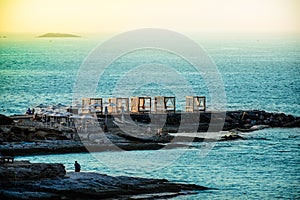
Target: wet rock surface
<point>84,185</point>
<point>231,136</point>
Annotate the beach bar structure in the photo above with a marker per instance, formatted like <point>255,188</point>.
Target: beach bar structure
<point>92,105</point>
<point>164,104</point>
<point>140,104</point>
<point>195,103</point>
<point>118,105</point>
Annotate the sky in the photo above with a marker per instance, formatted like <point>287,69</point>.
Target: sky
<point>95,16</point>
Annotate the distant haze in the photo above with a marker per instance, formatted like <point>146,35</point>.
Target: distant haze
<point>75,16</point>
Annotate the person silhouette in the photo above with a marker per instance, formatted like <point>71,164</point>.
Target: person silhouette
<point>77,166</point>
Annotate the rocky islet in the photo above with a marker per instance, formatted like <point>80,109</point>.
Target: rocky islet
<point>25,180</point>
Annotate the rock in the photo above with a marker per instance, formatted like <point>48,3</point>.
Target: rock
<point>16,130</point>
<point>116,139</point>
<point>20,171</point>
<point>258,127</point>
<point>58,35</point>
<point>231,136</point>
<point>14,133</point>
<point>52,134</point>
<point>86,185</point>
<point>5,120</point>
<point>295,123</point>
<point>11,137</point>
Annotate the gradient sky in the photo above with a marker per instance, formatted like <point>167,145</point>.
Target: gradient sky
<point>78,16</point>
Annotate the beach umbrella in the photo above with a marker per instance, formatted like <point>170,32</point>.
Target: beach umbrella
<point>41,112</point>
<point>59,115</point>
<point>49,113</point>
<point>53,107</point>
<point>40,108</point>
<point>61,106</point>
<point>75,117</point>
<point>68,113</point>
<point>95,105</point>
<point>87,117</point>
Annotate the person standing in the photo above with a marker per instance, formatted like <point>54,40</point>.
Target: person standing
<point>77,166</point>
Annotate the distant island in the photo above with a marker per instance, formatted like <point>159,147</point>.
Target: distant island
<point>58,35</point>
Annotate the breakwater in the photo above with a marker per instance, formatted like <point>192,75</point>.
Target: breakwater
<point>19,139</point>
<point>242,120</point>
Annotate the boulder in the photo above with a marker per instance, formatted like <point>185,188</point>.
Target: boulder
<point>231,136</point>
<point>22,170</point>
<point>52,134</point>
<point>4,120</point>
<point>84,185</point>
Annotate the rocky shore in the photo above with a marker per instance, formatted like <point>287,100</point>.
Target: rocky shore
<point>25,180</point>
<point>18,139</point>
<point>242,120</point>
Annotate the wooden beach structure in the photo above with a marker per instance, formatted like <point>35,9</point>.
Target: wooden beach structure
<point>195,103</point>
<point>158,110</point>
<point>140,104</point>
<point>161,104</point>
<point>164,104</point>
<point>92,105</point>
<point>118,105</point>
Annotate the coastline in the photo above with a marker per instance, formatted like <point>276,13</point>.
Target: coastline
<point>25,180</point>
<point>31,139</point>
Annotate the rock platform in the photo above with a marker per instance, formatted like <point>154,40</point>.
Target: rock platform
<point>50,181</point>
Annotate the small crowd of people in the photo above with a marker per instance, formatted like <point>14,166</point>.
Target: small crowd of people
<point>30,112</point>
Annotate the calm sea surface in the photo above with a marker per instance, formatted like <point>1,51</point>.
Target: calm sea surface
<point>265,166</point>
<point>258,72</point>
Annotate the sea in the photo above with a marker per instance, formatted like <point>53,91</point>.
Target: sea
<point>254,72</point>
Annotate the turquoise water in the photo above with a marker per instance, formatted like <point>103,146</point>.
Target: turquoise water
<point>265,166</point>
<point>258,72</point>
